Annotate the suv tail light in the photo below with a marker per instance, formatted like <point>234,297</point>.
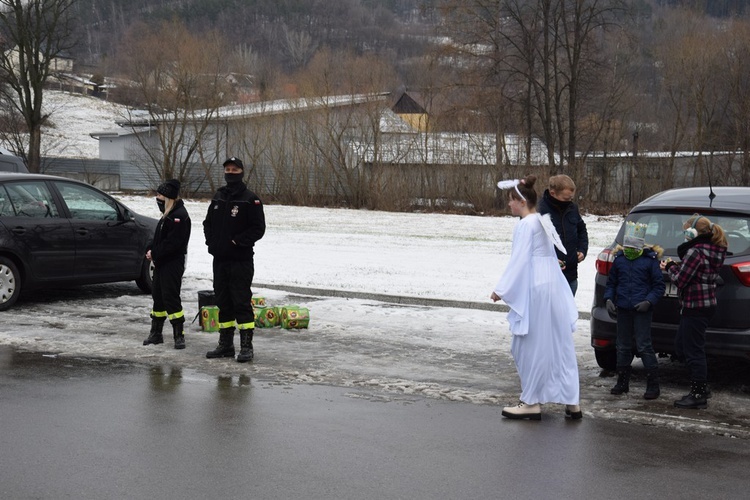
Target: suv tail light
<point>605,259</point>
<point>742,270</point>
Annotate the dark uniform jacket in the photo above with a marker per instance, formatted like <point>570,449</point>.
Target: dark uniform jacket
<point>234,222</point>
<point>572,230</point>
<point>171,236</point>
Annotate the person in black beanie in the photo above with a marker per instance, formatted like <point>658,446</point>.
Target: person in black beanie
<point>234,222</point>
<point>167,251</point>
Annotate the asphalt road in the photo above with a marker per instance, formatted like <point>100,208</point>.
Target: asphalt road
<point>96,428</point>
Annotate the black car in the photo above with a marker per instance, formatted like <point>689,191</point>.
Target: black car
<point>61,232</point>
<point>665,213</point>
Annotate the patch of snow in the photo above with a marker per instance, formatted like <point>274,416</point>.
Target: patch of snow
<point>72,118</point>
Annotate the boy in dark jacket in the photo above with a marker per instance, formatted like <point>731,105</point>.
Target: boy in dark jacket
<point>634,285</point>
<point>557,201</point>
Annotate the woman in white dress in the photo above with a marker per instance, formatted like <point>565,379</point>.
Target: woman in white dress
<point>542,313</point>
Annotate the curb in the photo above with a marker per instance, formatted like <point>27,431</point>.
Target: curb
<point>394,299</point>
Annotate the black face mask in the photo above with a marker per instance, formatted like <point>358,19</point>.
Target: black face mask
<point>233,179</point>
<point>161,204</point>
<point>558,203</point>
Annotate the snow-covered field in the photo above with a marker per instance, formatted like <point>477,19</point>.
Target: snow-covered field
<point>417,255</point>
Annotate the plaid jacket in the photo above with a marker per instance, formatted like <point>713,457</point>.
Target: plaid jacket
<point>695,276</point>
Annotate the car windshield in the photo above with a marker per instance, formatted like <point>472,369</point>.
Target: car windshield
<point>666,230</point>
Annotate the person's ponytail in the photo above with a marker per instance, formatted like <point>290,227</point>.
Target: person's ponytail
<point>718,237</point>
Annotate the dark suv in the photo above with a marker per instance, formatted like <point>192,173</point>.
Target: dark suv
<point>728,332</point>
<point>57,232</point>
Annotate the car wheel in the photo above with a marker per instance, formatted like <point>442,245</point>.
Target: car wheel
<point>10,283</point>
<point>146,280</point>
<point>606,359</point>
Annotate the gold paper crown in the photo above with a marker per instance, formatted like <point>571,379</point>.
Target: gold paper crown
<point>635,230</point>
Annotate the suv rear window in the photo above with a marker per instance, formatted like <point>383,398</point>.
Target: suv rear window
<point>665,229</point>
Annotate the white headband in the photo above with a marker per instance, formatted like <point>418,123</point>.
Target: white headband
<point>513,183</point>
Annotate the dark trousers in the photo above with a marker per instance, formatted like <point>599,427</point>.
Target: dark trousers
<point>690,345</point>
<point>573,286</point>
<point>233,281</point>
<point>166,287</point>
<point>633,324</point>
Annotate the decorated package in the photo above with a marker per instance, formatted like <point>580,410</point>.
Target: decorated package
<point>210,318</point>
<point>295,317</point>
<point>267,317</point>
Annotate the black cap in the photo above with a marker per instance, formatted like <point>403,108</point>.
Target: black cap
<point>170,189</point>
<point>235,161</point>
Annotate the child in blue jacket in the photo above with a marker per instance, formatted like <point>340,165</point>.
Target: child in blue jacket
<point>634,285</point>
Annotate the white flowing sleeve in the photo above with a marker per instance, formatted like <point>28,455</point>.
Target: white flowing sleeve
<point>514,286</point>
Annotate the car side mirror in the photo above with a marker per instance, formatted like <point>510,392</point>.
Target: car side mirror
<point>128,215</point>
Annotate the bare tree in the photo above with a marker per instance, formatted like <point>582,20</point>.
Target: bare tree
<point>739,102</point>
<point>693,59</point>
<point>299,46</point>
<point>329,132</point>
<point>34,34</point>
<point>180,80</point>
<point>540,55</point>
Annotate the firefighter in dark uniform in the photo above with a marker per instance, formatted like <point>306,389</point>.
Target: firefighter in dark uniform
<point>235,221</point>
<point>167,251</point>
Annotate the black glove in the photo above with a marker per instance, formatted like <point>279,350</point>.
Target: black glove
<point>642,307</point>
<point>611,308</point>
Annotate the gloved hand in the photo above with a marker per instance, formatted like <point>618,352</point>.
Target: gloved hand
<point>666,264</point>
<point>642,307</point>
<point>611,308</point>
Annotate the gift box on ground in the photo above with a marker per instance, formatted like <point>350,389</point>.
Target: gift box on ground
<point>267,317</point>
<point>258,301</point>
<point>295,317</point>
<point>210,318</point>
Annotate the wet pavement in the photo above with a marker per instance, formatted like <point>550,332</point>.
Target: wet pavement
<point>75,427</point>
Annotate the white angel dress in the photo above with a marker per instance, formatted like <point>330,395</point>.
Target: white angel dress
<point>542,315</point>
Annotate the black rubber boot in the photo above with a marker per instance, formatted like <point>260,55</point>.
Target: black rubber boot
<point>695,399</point>
<point>157,326</point>
<point>652,384</point>
<point>623,381</point>
<point>246,346</point>
<point>179,334</point>
<point>225,349</point>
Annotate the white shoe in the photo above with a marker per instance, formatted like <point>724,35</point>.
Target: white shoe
<point>522,410</point>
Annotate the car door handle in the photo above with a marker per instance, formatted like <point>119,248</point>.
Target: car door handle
<point>82,231</point>
<point>19,230</point>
